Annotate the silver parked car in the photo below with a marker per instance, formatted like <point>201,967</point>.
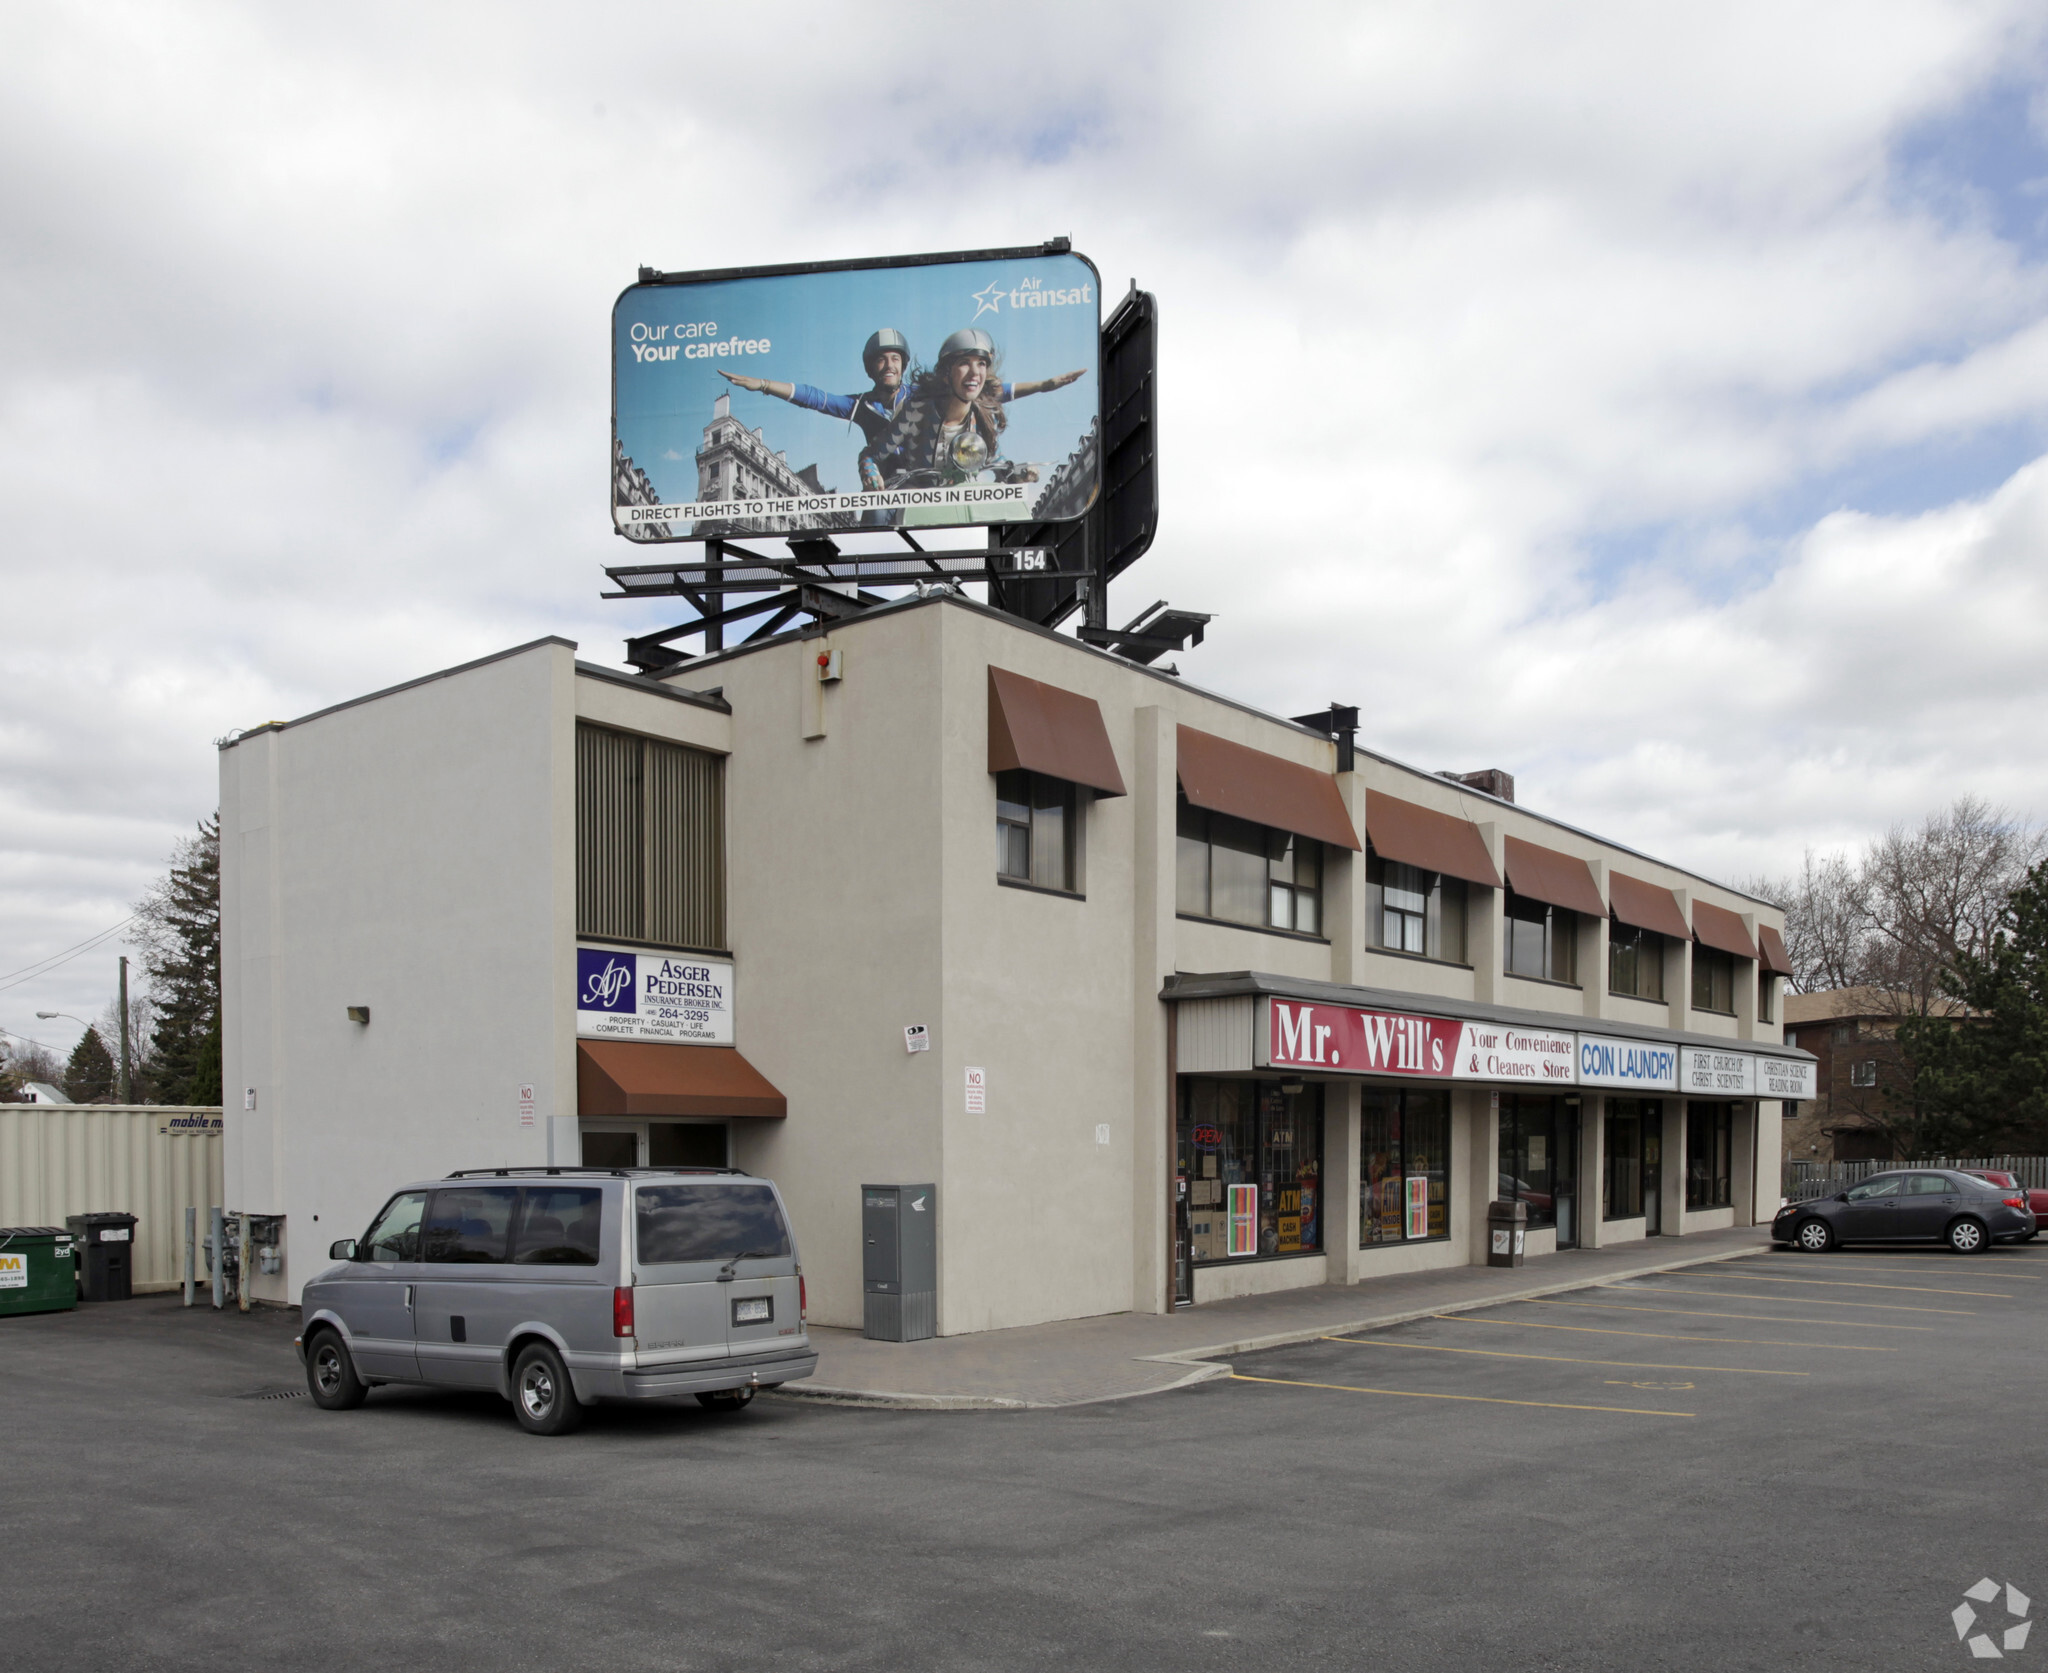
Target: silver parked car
<point>561,1286</point>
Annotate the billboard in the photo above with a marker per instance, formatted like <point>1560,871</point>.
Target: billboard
<point>931,392</point>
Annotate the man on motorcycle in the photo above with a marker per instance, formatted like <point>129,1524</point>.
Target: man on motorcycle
<point>949,428</point>
<point>887,359</point>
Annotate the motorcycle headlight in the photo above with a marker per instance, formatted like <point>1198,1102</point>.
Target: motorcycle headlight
<point>970,452</point>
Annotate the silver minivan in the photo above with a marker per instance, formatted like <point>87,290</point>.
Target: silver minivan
<point>562,1286</point>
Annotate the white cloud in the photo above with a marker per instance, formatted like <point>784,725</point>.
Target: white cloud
<point>1496,338</point>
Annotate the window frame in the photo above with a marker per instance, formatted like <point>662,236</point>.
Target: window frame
<point>1558,931</point>
<point>1308,1105</point>
<point>1632,939</point>
<point>1438,892</point>
<point>1718,969</point>
<point>1195,831</point>
<point>651,842</point>
<point>1073,818</point>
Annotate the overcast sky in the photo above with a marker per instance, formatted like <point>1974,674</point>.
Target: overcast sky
<point>1649,400</point>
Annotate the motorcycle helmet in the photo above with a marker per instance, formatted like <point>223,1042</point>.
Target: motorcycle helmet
<point>886,338</point>
<point>969,341</point>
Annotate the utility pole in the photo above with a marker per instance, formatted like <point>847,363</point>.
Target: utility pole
<point>127,1087</point>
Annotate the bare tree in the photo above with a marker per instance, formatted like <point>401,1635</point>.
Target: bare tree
<point>1939,891</point>
<point>1827,921</point>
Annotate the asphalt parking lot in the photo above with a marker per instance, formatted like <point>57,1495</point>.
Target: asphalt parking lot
<point>1781,1462</point>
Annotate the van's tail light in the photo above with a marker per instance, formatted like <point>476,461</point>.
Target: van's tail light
<point>803,1299</point>
<point>622,1312</point>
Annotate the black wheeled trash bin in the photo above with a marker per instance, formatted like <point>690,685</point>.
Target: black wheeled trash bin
<point>107,1249</point>
<point>37,1274</point>
<point>1507,1229</point>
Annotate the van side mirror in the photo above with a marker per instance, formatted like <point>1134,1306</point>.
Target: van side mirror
<point>342,1249</point>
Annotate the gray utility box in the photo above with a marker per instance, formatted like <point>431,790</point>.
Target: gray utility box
<point>899,1253</point>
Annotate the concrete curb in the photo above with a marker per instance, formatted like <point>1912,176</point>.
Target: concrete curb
<point>1201,1362</point>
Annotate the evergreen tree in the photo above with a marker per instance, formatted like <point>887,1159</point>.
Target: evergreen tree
<point>179,937</point>
<point>1980,1081</point>
<point>90,1075</point>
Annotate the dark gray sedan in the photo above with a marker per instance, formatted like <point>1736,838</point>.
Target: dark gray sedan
<point>1913,1205</point>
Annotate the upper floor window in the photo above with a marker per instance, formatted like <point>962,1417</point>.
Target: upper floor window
<point>1409,910</point>
<point>1635,961</point>
<point>1038,830</point>
<point>1247,874</point>
<point>1864,1073</point>
<point>1542,941</point>
<point>650,840</point>
<point>1713,979</point>
<point>1766,996</point>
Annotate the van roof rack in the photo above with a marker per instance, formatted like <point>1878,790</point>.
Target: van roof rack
<point>600,1173</point>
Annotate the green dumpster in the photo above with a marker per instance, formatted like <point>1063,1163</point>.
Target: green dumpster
<point>37,1273</point>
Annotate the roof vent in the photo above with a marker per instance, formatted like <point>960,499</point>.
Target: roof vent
<point>1491,780</point>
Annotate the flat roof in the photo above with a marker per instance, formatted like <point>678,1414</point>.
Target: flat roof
<point>961,601</point>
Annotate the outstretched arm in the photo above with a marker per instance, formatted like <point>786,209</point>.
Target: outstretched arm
<point>1040,386</point>
<point>762,386</point>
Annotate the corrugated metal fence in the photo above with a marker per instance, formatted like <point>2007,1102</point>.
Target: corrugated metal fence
<point>1805,1181</point>
<point>148,1160</point>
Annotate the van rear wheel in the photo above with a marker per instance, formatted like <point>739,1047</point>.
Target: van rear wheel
<point>727,1400</point>
<point>542,1397</point>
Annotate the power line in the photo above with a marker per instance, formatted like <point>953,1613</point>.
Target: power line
<point>29,972</point>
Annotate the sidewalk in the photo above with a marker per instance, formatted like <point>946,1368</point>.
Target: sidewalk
<point>1078,1361</point>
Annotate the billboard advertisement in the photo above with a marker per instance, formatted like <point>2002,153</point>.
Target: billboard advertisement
<point>935,393</point>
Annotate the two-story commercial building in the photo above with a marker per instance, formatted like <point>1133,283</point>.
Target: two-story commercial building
<point>1169,998</point>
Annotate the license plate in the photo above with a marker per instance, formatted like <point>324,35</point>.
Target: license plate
<point>759,1309</point>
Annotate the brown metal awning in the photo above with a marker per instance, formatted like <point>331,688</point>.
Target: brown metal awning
<point>1553,878</point>
<point>1774,959</point>
<point>1645,906</point>
<point>1250,784</point>
<point>1045,729</point>
<point>1420,836</point>
<point>646,1077</point>
<point>1718,927</point>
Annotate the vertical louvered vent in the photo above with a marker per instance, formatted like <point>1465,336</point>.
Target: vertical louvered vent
<point>650,840</point>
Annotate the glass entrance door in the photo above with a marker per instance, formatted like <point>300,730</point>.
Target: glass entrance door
<point>1653,1174</point>
<point>1565,1177</point>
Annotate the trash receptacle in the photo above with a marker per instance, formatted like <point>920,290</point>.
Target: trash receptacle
<point>1507,1229</point>
<point>37,1274</point>
<point>107,1248</point>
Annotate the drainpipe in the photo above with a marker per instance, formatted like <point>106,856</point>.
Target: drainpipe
<point>242,1265</point>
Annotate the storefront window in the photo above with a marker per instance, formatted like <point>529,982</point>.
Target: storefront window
<point>1635,960</point>
<point>1713,979</point>
<point>1539,1158</point>
<point>1709,1149</point>
<point>1252,1156</point>
<point>1409,910</point>
<point>1404,1182</point>
<point>1622,1183</point>
<point>1542,941</point>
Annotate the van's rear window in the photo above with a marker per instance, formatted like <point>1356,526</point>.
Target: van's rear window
<point>708,1222</point>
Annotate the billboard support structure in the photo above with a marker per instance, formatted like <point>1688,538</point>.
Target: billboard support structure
<point>1040,571</point>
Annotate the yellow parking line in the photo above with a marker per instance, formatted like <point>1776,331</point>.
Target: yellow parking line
<point>1477,1399</point>
<point>1750,1318</point>
<point>1662,1336</point>
<point>2002,1276</point>
<point>1814,1300</point>
<point>1844,1284</point>
<point>1559,1359</point>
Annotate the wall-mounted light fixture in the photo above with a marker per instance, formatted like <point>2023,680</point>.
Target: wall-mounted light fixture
<point>359,1013</point>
